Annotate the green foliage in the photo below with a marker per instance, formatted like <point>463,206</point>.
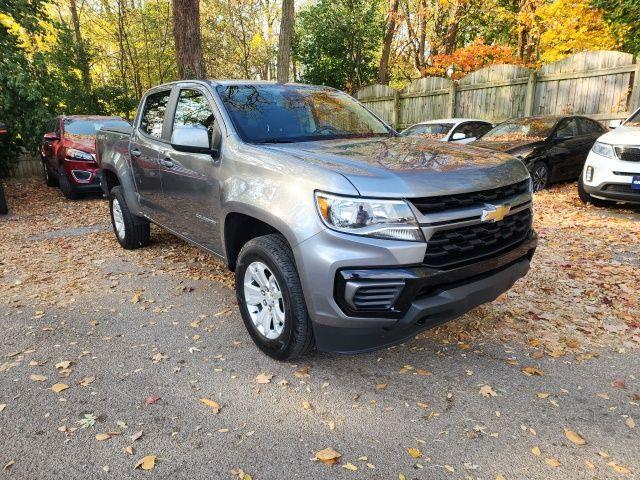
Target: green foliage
<point>338,41</point>
<point>624,17</point>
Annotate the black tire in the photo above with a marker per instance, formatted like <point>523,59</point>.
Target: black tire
<point>296,338</point>
<point>586,198</point>
<point>540,176</point>
<point>50,179</point>
<point>65,185</point>
<point>4,209</point>
<point>137,231</point>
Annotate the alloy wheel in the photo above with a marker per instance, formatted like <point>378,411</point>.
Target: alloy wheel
<point>539,177</point>
<point>118,219</point>
<point>263,299</point>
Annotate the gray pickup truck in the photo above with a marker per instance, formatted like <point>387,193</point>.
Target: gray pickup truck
<point>342,234</point>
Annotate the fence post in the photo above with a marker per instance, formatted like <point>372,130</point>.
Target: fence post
<point>531,94</point>
<point>452,98</point>
<point>635,90</point>
<point>396,110</point>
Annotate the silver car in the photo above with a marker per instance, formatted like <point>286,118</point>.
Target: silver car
<point>342,234</point>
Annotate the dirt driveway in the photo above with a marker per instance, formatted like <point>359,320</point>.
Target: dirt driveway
<point>111,359</point>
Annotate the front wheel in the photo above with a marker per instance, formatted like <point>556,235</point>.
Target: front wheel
<point>49,179</point>
<point>539,176</point>
<point>131,231</point>
<point>586,198</point>
<point>271,300</point>
<point>65,185</point>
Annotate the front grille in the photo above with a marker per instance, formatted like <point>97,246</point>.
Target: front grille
<point>460,200</point>
<point>460,246</point>
<point>376,297</point>
<point>628,154</point>
<point>620,188</point>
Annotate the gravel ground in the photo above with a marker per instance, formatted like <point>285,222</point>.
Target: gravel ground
<point>150,333</point>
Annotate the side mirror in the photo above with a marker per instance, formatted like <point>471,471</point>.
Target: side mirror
<point>195,139</point>
<point>458,136</point>
<point>51,137</point>
<point>615,123</point>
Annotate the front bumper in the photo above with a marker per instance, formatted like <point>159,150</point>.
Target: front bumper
<point>83,176</point>
<point>611,178</point>
<point>429,297</point>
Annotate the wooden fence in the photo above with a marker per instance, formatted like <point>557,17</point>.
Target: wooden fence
<point>603,85</point>
<point>27,166</point>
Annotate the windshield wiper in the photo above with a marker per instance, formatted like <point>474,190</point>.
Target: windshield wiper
<point>277,140</point>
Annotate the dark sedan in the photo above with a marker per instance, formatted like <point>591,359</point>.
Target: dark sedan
<point>553,148</point>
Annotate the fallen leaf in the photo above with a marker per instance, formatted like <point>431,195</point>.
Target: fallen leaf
<point>302,372</point>
<point>37,378</point>
<point>629,422</point>
<point>146,463</point>
<point>536,451</point>
<point>128,450</point>
<point>382,386</point>
<point>59,387</point>
<point>414,452</point>
<point>543,395</point>
<point>487,391</point>
<point>136,299</point>
<point>215,406</point>
<point>2,406</point>
<point>86,381</point>
<point>63,365</point>
<point>532,371</point>
<point>574,437</point>
<point>8,465</point>
<point>500,477</point>
<point>328,456</point>
<point>552,462</point>
<point>618,468</point>
<point>102,437</point>
<point>158,357</point>
<point>350,466</point>
<point>449,468</point>
<point>264,378</point>
<point>151,400</point>
<point>135,436</point>
<point>306,405</point>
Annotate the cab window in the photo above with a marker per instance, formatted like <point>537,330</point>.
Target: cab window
<point>153,113</point>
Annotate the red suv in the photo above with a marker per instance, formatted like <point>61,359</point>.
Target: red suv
<point>68,153</point>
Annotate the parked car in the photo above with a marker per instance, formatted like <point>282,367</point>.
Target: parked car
<point>68,153</point>
<point>459,130</point>
<point>4,209</point>
<point>553,148</point>
<point>612,170</point>
<point>341,233</point>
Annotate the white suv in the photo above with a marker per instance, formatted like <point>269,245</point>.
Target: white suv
<point>612,170</point>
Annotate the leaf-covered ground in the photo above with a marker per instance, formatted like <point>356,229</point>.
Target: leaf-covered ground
<point>117,364</point>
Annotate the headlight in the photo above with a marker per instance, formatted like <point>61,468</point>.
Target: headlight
<point>390,219</point>
<point>74,154</point>
<point>603,149</point>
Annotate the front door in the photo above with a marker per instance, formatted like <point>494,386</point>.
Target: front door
<point>145,146</point>
<point>191,189</point>
<point>565,150</point>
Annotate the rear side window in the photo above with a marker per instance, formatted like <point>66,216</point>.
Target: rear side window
<point>153,113</point>
<point>567,129</point>
<point>589,126</point>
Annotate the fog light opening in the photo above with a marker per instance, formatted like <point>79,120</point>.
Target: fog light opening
<point>588,176</point>
<point>81,175</point>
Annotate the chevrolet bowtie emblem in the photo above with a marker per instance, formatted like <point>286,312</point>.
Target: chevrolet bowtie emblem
<point>495,213</point>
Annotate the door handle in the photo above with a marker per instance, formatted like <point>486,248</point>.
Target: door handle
<point>167,162</point>
<point>135,152</point>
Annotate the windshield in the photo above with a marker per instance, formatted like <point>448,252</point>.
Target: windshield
<point>428,130</point>
<point>531,129</point>
<point>88,128</point>
<point>296,113</point>
<point>633,120</point>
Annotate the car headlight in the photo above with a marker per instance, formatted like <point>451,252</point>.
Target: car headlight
<point>389,219</point>
<point>75,154</point>
<point>603,149</point>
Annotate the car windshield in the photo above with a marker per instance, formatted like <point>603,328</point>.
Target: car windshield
<point>428,130</point>
<point>274,113</point>
<point>633,120</point>
<point>88,128</point>
<point>531,129</point>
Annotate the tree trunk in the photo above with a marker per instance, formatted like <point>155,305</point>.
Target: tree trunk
<point>188,40</point>
<point>383,70</point>
<point>284,42</point>
<point>82,58</point>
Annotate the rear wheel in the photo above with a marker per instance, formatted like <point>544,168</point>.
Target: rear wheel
<point>65,185</point>
<point>586,198</point>
<point>131,231</point>
<point>4,209</point>
<point>539,176</point>
<point>49,178</point>
<point>271,300</point>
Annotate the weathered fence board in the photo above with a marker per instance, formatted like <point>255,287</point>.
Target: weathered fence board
<point>604,85</point>
<point>27,166</point>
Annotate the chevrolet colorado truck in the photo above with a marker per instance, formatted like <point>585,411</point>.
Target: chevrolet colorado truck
<point>342,234</point>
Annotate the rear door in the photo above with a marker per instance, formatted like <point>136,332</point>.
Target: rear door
<point>565,150</point>
<point>590,130</point>
<point>190,181</point>
<point>147,140</point>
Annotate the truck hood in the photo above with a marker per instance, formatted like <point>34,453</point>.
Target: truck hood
<point>622,136</point>
<point>409,166</point>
